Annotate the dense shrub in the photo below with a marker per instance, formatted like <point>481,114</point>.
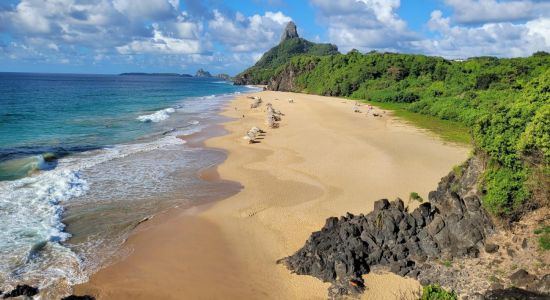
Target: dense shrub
<point>435,292</point>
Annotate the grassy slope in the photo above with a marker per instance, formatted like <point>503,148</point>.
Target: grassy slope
<point>450,131</point>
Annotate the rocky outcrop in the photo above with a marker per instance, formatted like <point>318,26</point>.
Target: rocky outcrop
<point>452,224</point>
<point>290,32</point>
<point>74,297</point>
<point>203,74</point>
<point>21,290</point>
<point>513,293</point>
<point>223,77</point>
<point>244,79</point>
<point>285,80</point>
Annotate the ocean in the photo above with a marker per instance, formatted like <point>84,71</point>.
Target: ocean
<point>85,158</point>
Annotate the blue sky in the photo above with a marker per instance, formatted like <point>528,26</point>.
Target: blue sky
<point>113,36</point>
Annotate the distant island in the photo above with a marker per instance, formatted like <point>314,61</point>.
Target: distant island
<point>154,74</point>
<point>203,74</point>
<point>199,74</point>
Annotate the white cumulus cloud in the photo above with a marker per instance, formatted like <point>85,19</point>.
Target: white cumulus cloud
<point>364,24</point>
<point>483,11</point>
<point>247,34</point>
<point>503,39</point>
<point>160,43</point>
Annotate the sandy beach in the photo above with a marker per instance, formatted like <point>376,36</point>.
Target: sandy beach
<point>324,160</point>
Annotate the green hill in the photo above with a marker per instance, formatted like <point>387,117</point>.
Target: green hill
<point>290,46</point>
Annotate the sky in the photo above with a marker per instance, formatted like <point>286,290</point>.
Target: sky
<point>181,36</point>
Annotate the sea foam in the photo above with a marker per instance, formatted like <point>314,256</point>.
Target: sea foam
<point>157,116</point>
<point>31,209</point>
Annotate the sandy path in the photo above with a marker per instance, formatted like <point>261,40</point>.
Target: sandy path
<point>324,160</point>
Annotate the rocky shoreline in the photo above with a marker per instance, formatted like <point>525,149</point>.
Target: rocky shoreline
<point>452,225</point>
<point>28,292</point>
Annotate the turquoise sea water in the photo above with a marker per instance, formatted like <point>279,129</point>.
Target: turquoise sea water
<point>83,158</point>
<point>42,113</point>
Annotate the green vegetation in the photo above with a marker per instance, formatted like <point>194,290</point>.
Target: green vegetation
<point>544,237</point>
<point>415,196</point>
<point>450,131</point>
<point>265,68</point>
<point>502,106</point>
<point>435,292</point>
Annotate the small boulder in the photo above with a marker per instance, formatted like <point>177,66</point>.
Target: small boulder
<point>522,278</point>
<point>524,244</point>
<point>513,294</point>
<point>381,204</point>
<point>491,248</point>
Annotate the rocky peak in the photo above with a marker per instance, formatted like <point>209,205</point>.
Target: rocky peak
<point>290,32</point>
<point>203,73</point>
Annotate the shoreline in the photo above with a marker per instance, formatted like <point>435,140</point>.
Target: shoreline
<point>228,248</point>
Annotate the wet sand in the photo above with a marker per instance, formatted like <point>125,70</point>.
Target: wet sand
<point>324,160</point>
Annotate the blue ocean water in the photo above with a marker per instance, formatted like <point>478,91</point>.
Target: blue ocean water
<point>83,158</point>
<point>42,113</point>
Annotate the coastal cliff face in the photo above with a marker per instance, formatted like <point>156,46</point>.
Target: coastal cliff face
<point>452,224</point>
<point>285,81</point>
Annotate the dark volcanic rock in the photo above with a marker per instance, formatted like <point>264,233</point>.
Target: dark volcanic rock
<point>21,290</point>
<point>514,294</point>
<point>522,278</point>
<point>491,248</point>
<point>74,297</point>
<point>452,224</point>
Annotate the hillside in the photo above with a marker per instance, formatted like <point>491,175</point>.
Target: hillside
<point>291,45</point>
<point>505,103</point>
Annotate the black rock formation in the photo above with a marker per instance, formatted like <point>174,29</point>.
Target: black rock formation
<point>21,290</point>
<point>452,224</point>
<point>290,32</point>
<point>514,293</point>
<point>74,297</point>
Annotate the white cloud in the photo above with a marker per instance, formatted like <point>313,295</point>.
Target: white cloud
<point>475,27</point>
<point>484,11</point>
<point>246,34</point>
<point>160,43</point>
<point>364,24</point>
<point>504,39</point>
<point>149,9</point>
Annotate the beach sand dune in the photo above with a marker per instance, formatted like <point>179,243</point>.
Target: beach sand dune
<point>324,160</point>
